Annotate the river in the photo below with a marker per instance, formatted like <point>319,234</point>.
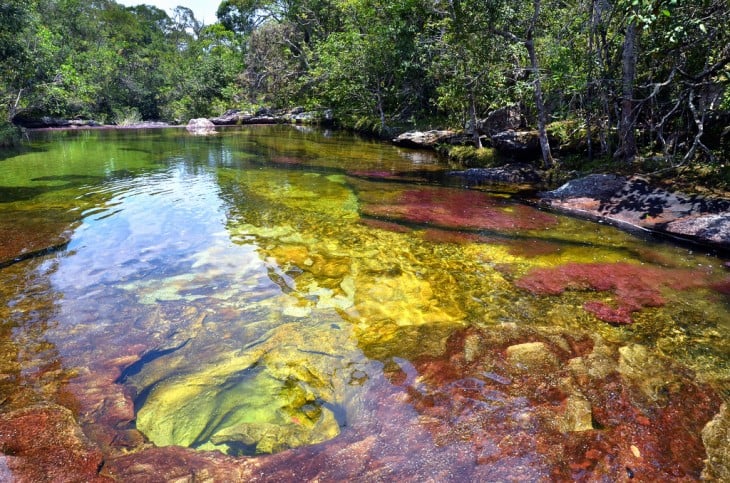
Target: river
<point>283,303</point>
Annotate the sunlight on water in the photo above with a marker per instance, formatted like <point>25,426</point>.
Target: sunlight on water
<point>256,291</point>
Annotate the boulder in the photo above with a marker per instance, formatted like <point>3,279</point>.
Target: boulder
<point>635,203</point>
<point>30,121</point>
<point>506,118</point>
<point>423,139</point>
<point>200,126</point>
<point>231,117</point>
<point>524,145</point>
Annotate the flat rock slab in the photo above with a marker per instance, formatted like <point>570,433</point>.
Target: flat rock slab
<point>634,202</point>
<point>423,139</point>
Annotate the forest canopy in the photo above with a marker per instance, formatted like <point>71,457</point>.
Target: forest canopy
<point>628,75</point>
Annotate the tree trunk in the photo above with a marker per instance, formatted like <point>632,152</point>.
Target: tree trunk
<point>627,139</point>
<point>473,119</point>
<point>547,157</point>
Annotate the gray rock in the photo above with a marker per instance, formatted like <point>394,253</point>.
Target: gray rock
<point>231,117</point>
<point>200,126</point>
<point>599,186</point>
<point>423,139</point>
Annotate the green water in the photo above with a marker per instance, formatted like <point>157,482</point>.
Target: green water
<point>249,290</point>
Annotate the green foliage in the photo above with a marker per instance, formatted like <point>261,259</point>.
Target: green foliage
<point>127,116</point>
<point>9,134</point>
<point>382,64</point>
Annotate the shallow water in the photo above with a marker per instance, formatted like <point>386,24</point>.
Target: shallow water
<point>308,294</point>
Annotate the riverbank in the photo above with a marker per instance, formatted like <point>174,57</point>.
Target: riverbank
<point>687,212</point>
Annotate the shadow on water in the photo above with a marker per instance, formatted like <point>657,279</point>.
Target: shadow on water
<point>8,153</point>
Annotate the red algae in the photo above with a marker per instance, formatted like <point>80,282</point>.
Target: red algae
<point>36,439</point>
<point>634,286</point>
<point>524,416</point>
<point>460,209</point>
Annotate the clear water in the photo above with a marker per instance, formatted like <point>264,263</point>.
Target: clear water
<point>260,290</point>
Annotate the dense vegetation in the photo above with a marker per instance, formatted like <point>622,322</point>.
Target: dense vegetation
<point>628,77</point>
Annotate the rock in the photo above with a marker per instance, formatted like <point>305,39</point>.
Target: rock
<point>524,145</point>
<point>506,118</point>
<point>713,227</point>
<point>200,126</point>
<point>45,443</point>
<point>716,438</point>
<point>531,356</point>
<point>509,174</point>
<point>423,139</point>
<point>231,117</point>
<point>30,121</point>
<point>598,186</point>
<point>578,415</point>
<point>635,203</point>
<point>146,125</point>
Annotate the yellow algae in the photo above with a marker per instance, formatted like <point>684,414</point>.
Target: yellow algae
<point>273,394</point>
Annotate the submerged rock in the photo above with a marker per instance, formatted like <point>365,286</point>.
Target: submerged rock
<point>634,286</point>
<point>45,443</point>
<point>281,391</point>
<point>716,437</point>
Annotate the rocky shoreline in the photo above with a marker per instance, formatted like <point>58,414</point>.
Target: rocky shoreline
<point>631,203</point>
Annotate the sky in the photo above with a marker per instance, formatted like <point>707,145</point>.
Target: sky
<point>204,10</point>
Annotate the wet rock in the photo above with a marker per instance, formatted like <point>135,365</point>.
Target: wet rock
<point>232,117</point>
<point>716,438</point>
<point>591,426</point>
<point>200,126</point>
<point>178,464</point>
<point>578,415</point>
<point>41,122</point>
<point>279,392</point>
<point>45,443</point>
<point>35,236</point>
<point>634,202</point>
<point>531,356</point>
<point>423,139</point>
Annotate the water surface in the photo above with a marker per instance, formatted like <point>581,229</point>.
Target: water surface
<point>332,308</point>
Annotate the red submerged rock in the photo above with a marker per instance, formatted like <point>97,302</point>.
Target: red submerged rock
<point>634,286</point>
<point>44,443</point>
<point>528,418</point>
<point>460,209</point>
